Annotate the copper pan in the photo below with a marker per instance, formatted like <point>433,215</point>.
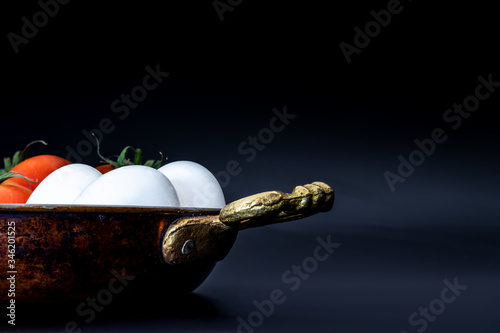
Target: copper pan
<point>63,252</point>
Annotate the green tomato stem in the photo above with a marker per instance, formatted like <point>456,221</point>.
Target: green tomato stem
<point>8,175</point>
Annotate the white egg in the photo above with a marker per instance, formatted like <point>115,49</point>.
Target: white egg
<point>132,185</point>
<point>64,184</point>
<point>194,184</point>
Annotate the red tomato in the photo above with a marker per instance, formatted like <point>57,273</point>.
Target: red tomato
<point>105,168</point>
<point>11,192</point>
<point>37,168</point>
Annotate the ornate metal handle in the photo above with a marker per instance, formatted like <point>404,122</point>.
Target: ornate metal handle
<point>275,206</point>
<point>210,238</point>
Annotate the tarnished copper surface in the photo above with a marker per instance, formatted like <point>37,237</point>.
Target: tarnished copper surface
<point>70,252</point>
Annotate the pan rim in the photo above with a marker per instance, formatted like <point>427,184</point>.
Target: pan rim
<point>114,209</point>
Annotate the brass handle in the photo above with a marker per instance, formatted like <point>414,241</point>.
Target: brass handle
<point>275,206</point>
<point>209,238</point>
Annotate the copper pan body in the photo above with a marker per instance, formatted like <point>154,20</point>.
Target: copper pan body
<point>70,252</point>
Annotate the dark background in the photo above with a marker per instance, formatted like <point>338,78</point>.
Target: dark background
<point>352,122</point>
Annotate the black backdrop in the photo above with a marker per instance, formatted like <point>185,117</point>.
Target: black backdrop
<point>356,101</point>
